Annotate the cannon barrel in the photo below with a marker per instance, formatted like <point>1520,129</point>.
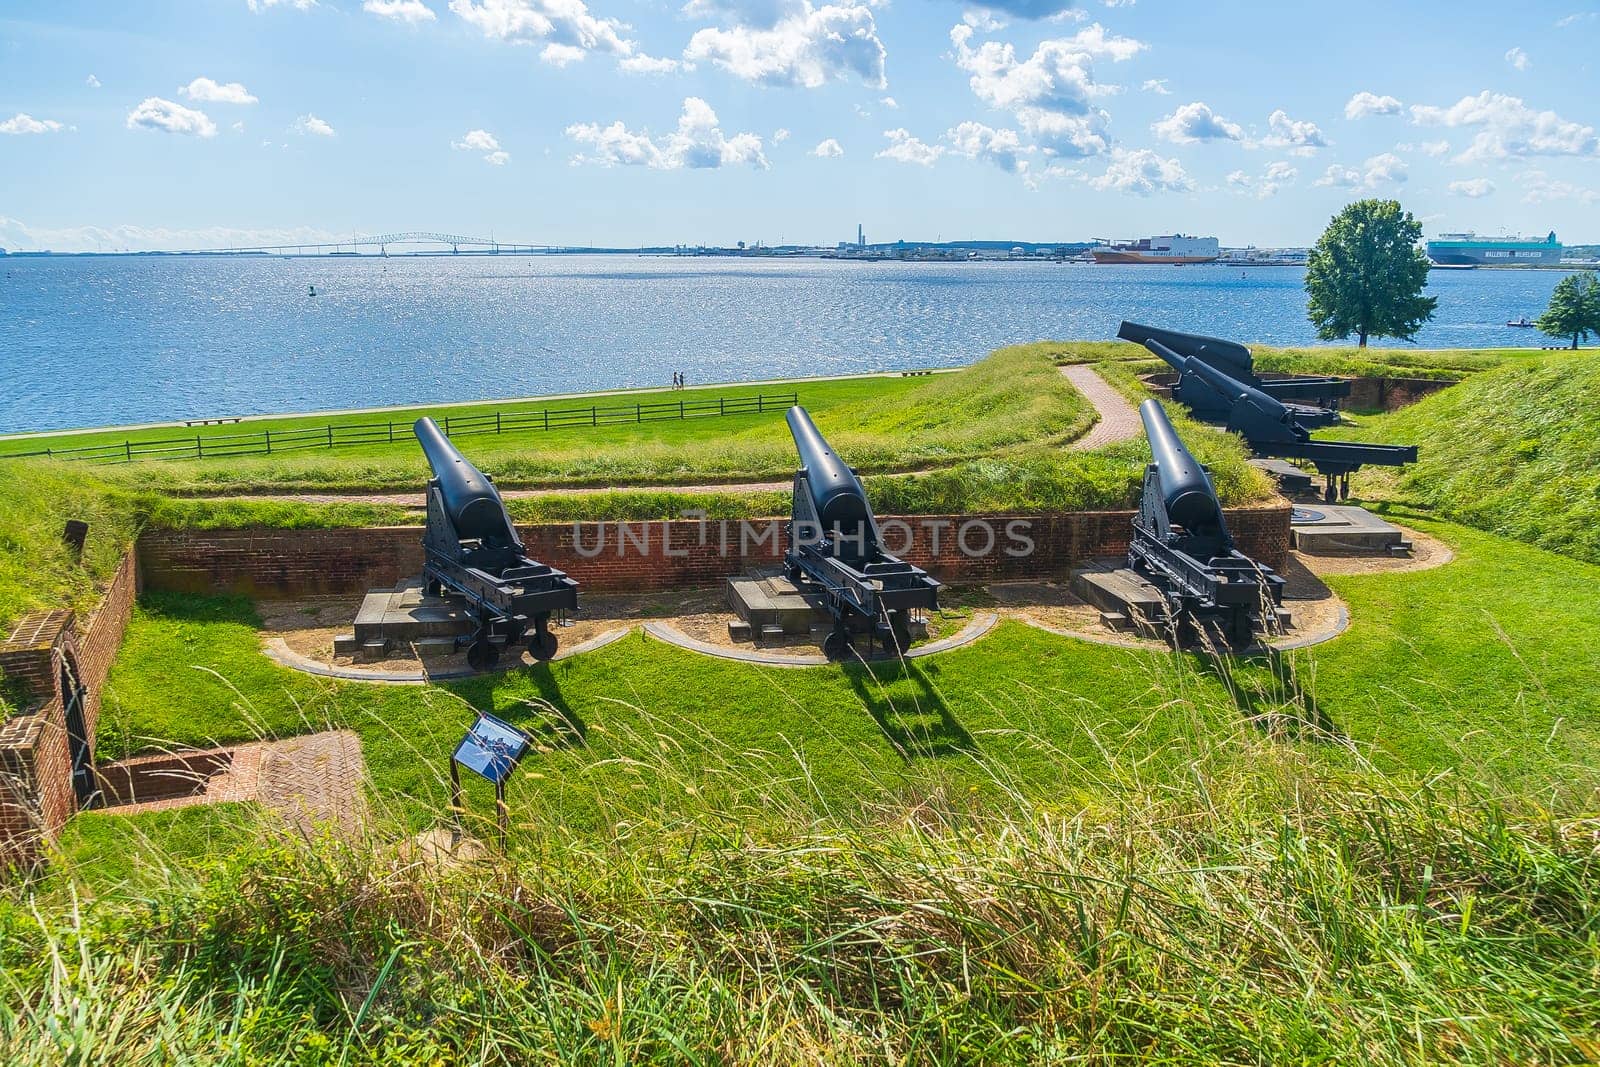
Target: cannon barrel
<point>1230,356</point>
<point>836,492</point>
<point>471,501</point>
<point>1275,421</point>
<point>1185,487</point>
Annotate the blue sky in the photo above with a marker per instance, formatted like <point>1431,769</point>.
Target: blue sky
<point>186,123</point>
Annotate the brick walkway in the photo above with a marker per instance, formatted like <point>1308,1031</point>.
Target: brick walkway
<point>1118,419</point>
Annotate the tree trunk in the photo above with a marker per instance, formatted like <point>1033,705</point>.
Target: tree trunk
<point>1574,340</point>
<point>1363,342</point>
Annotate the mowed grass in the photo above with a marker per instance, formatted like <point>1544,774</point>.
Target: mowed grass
<point>1331,359</point>
<point>1010,399</point>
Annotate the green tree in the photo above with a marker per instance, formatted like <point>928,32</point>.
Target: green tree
<point>1366,275</point>
<point>1574,309</point>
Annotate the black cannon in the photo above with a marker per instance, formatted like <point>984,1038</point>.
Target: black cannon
<point>1314,400</point>
<point>1182,546</point>
<point>472,551</point>
<point>835,547</point>
<point>1272,429</point>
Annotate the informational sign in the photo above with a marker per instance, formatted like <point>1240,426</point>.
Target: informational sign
<point>491,749</point>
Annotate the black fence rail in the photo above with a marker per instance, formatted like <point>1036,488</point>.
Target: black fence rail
<point>354,434</point>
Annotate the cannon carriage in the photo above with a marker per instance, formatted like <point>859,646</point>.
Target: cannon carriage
<point>1272,428</point>
<point>836,549</point>
<point>1182,546</point>
<point>472,551</point>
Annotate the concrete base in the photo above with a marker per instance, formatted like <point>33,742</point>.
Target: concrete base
<point>1126,601</point>
<point>403,616</point>
<point>770,607</point>
<point>1342,530</point>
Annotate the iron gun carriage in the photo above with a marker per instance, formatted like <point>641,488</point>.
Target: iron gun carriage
<point>1182,546</point>
<point>472,551</point>
<point>836,548</point>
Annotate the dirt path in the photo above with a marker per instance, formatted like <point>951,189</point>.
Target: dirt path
<point>1118,419</point>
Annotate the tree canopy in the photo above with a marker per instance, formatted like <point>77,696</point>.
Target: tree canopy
<point>1574,309</point>
<point>1366,275</point>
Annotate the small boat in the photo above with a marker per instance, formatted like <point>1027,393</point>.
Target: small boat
<point>1522,323</point>
<point>313,291</point>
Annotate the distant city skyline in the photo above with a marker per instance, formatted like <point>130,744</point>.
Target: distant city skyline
<point>621,123</point>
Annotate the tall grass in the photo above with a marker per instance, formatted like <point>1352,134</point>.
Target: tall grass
<point>1259,904</point>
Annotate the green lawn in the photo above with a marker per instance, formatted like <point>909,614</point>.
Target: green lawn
<point>1481,669</point>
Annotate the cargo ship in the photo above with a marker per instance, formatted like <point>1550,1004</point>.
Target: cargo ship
<point>1470,250</point>
<point>1173,249</point>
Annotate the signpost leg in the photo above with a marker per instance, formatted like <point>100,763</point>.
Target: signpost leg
<point>456,810</point>
<point>502,813</point>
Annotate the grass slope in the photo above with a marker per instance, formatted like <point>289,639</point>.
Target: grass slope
<point>1515,451</point>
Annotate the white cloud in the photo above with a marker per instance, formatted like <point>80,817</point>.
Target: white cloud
<point>904,148</point>
<point>485,142</point>
<point>1052,92</point>
<point>1517,58</point>
<point>828,149</point>
<point>298,5</point>
<point>154,113</point>
<point>889,102</point>
<point>1573,20</point>
<point>807,47</point>
<point>412,11</point>
<point>1434,148</point>
<point>1196,122</point>
<point>1300,137</point>
<point>565,28</point>
<point>1142,172</point>
<point>1379,170</point>
<point>204,89</point>
<point>983,21</point>
<point>1003,148</point>
<point>780,135</point>
<point>698,142</point>
<point>1364,103</point>
<point>311,125</point>
<point>1538,188</point>
<point>639,63</point>
<point>25,124</point>
<point>1157,86</point>
<point>1509,129</point>
<point>92,82</point>
<point>1275,177</point>
<point>1472,187</point>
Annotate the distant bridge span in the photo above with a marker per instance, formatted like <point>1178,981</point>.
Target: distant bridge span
<point>454,241</point>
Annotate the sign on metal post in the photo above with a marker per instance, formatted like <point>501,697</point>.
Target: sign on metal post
<point>491,750</point>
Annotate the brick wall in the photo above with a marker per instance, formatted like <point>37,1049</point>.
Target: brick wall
<point>36,797</point>
<point>1391,394</point>
<point>610,556</point>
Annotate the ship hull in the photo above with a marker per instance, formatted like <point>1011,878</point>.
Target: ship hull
<point>1496,257</point>
<point>1101,256</point>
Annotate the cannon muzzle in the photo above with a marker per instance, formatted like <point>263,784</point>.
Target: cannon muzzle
<point>471,501</point>
<point>1252,412</point>
<point>1229,356</point>
<point>1186,489</point>
<point>836,492</point>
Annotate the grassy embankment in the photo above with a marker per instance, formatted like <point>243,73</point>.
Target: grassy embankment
<point>1515,450</point>
<point>1029,846</point>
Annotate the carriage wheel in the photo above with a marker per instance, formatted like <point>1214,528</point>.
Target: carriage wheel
<point>897,638</point>
<point>837,644</point>
<point>543,645</point>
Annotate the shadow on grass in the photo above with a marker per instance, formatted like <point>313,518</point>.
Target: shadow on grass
<point>200,607</point>
<point>546,716</point>
<point>1266,689</point>
<point>922,725</point>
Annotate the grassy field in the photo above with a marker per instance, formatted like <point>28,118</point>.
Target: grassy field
<point>1515,450</point>
<point>1344,360</point>
<point>1011,399</point>
<point>1031,848</point>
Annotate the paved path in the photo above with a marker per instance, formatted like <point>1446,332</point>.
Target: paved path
<point>1118,419</point>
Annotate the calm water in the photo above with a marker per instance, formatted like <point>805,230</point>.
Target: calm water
<point>92,342</point>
